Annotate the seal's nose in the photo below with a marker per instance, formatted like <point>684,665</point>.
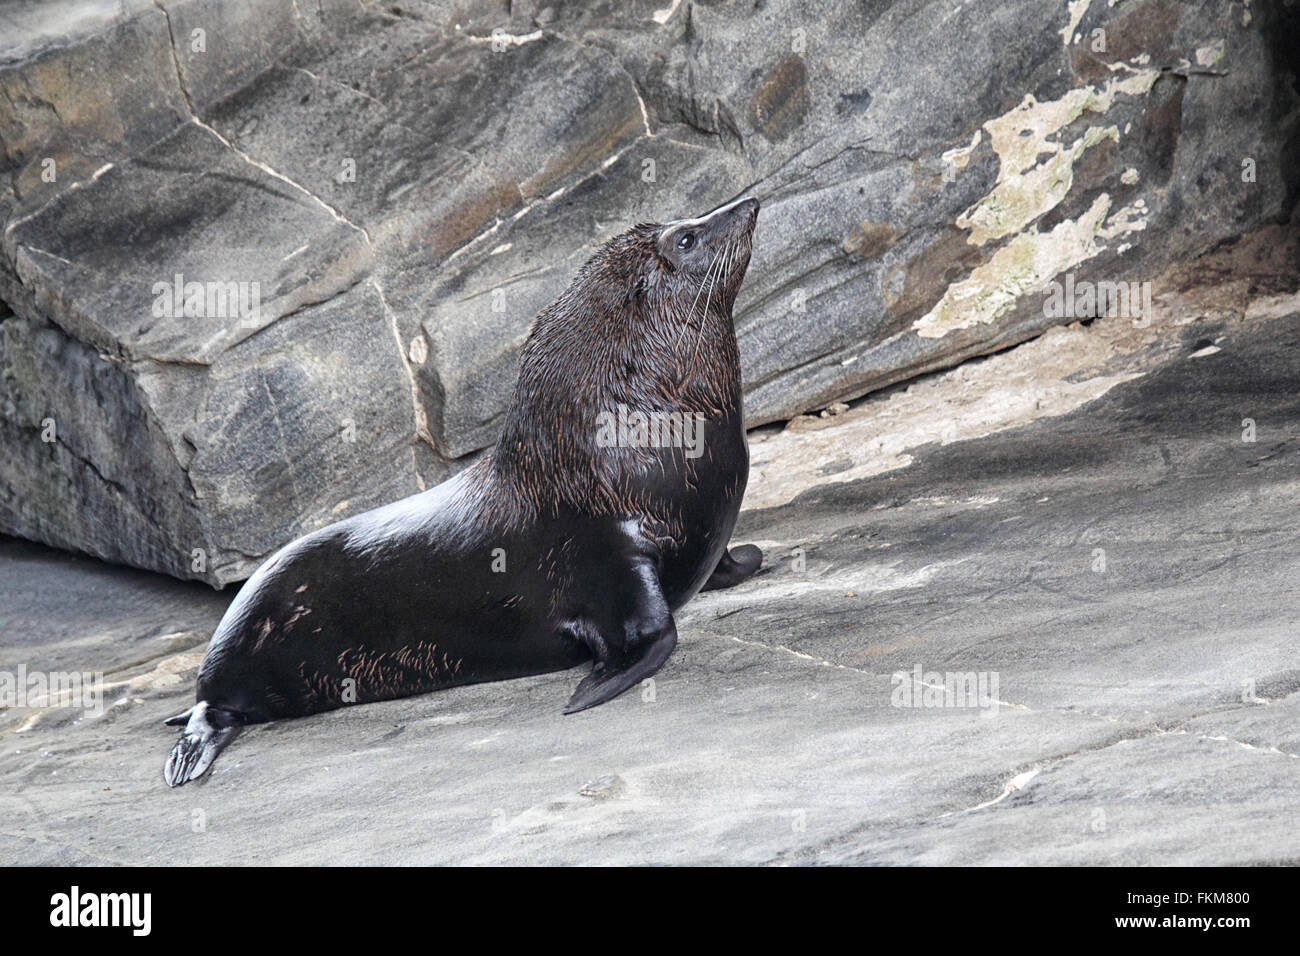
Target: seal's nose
<point>736,211</point>
<point>740,210</point>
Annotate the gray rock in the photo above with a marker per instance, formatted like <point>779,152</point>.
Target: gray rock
<point>406,186</point>
<point>1144,713</point>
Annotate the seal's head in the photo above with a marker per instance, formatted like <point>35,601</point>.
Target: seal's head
<point>713,249</point>
<point>645,284</point>
<point>645,325</point>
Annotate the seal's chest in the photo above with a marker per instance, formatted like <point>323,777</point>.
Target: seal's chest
<point>695,512</point>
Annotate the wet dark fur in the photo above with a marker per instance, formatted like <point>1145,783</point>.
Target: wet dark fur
<point>601,544</point>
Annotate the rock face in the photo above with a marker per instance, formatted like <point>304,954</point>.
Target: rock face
<point>266,265</point>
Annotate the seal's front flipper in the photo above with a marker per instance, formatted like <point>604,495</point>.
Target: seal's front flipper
<point>208,731</point>
<point>631,643</point>
<point>609,679</point>
<point>736,565</point>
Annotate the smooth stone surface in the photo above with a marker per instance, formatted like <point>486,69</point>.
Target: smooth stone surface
<point>1147,710</point>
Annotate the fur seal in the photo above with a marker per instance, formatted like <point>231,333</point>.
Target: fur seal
<point>606,504</point>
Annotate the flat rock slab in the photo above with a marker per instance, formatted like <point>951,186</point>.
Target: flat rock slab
<point>1119,582</point>
<point>406,185</point>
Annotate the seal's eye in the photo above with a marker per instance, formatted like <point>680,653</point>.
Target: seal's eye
<point>686,241</point>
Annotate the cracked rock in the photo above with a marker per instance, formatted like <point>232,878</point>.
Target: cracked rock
<point>404,192</point>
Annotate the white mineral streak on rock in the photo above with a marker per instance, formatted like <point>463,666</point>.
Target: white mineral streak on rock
<point>1038,379</point>
<point>957,158</point>
<point>1026,189</point>
<point>1077,9</point>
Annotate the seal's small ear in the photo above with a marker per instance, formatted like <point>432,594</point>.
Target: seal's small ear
<point>639,286</point>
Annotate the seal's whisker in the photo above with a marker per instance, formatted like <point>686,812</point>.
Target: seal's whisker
<point>716,281</point>
<point>705,280</point>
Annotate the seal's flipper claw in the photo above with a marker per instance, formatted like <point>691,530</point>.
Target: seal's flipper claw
<point>208,731</point>
<point>606,681</point>
<point>736,565</point>
<point>180,719</point>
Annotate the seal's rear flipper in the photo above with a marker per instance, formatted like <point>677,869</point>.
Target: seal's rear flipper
<point>207,732</point>
<point>736,565</point>
<point>629,647</point>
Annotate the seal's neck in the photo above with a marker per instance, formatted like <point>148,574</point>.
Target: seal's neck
<point>602,367</point>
